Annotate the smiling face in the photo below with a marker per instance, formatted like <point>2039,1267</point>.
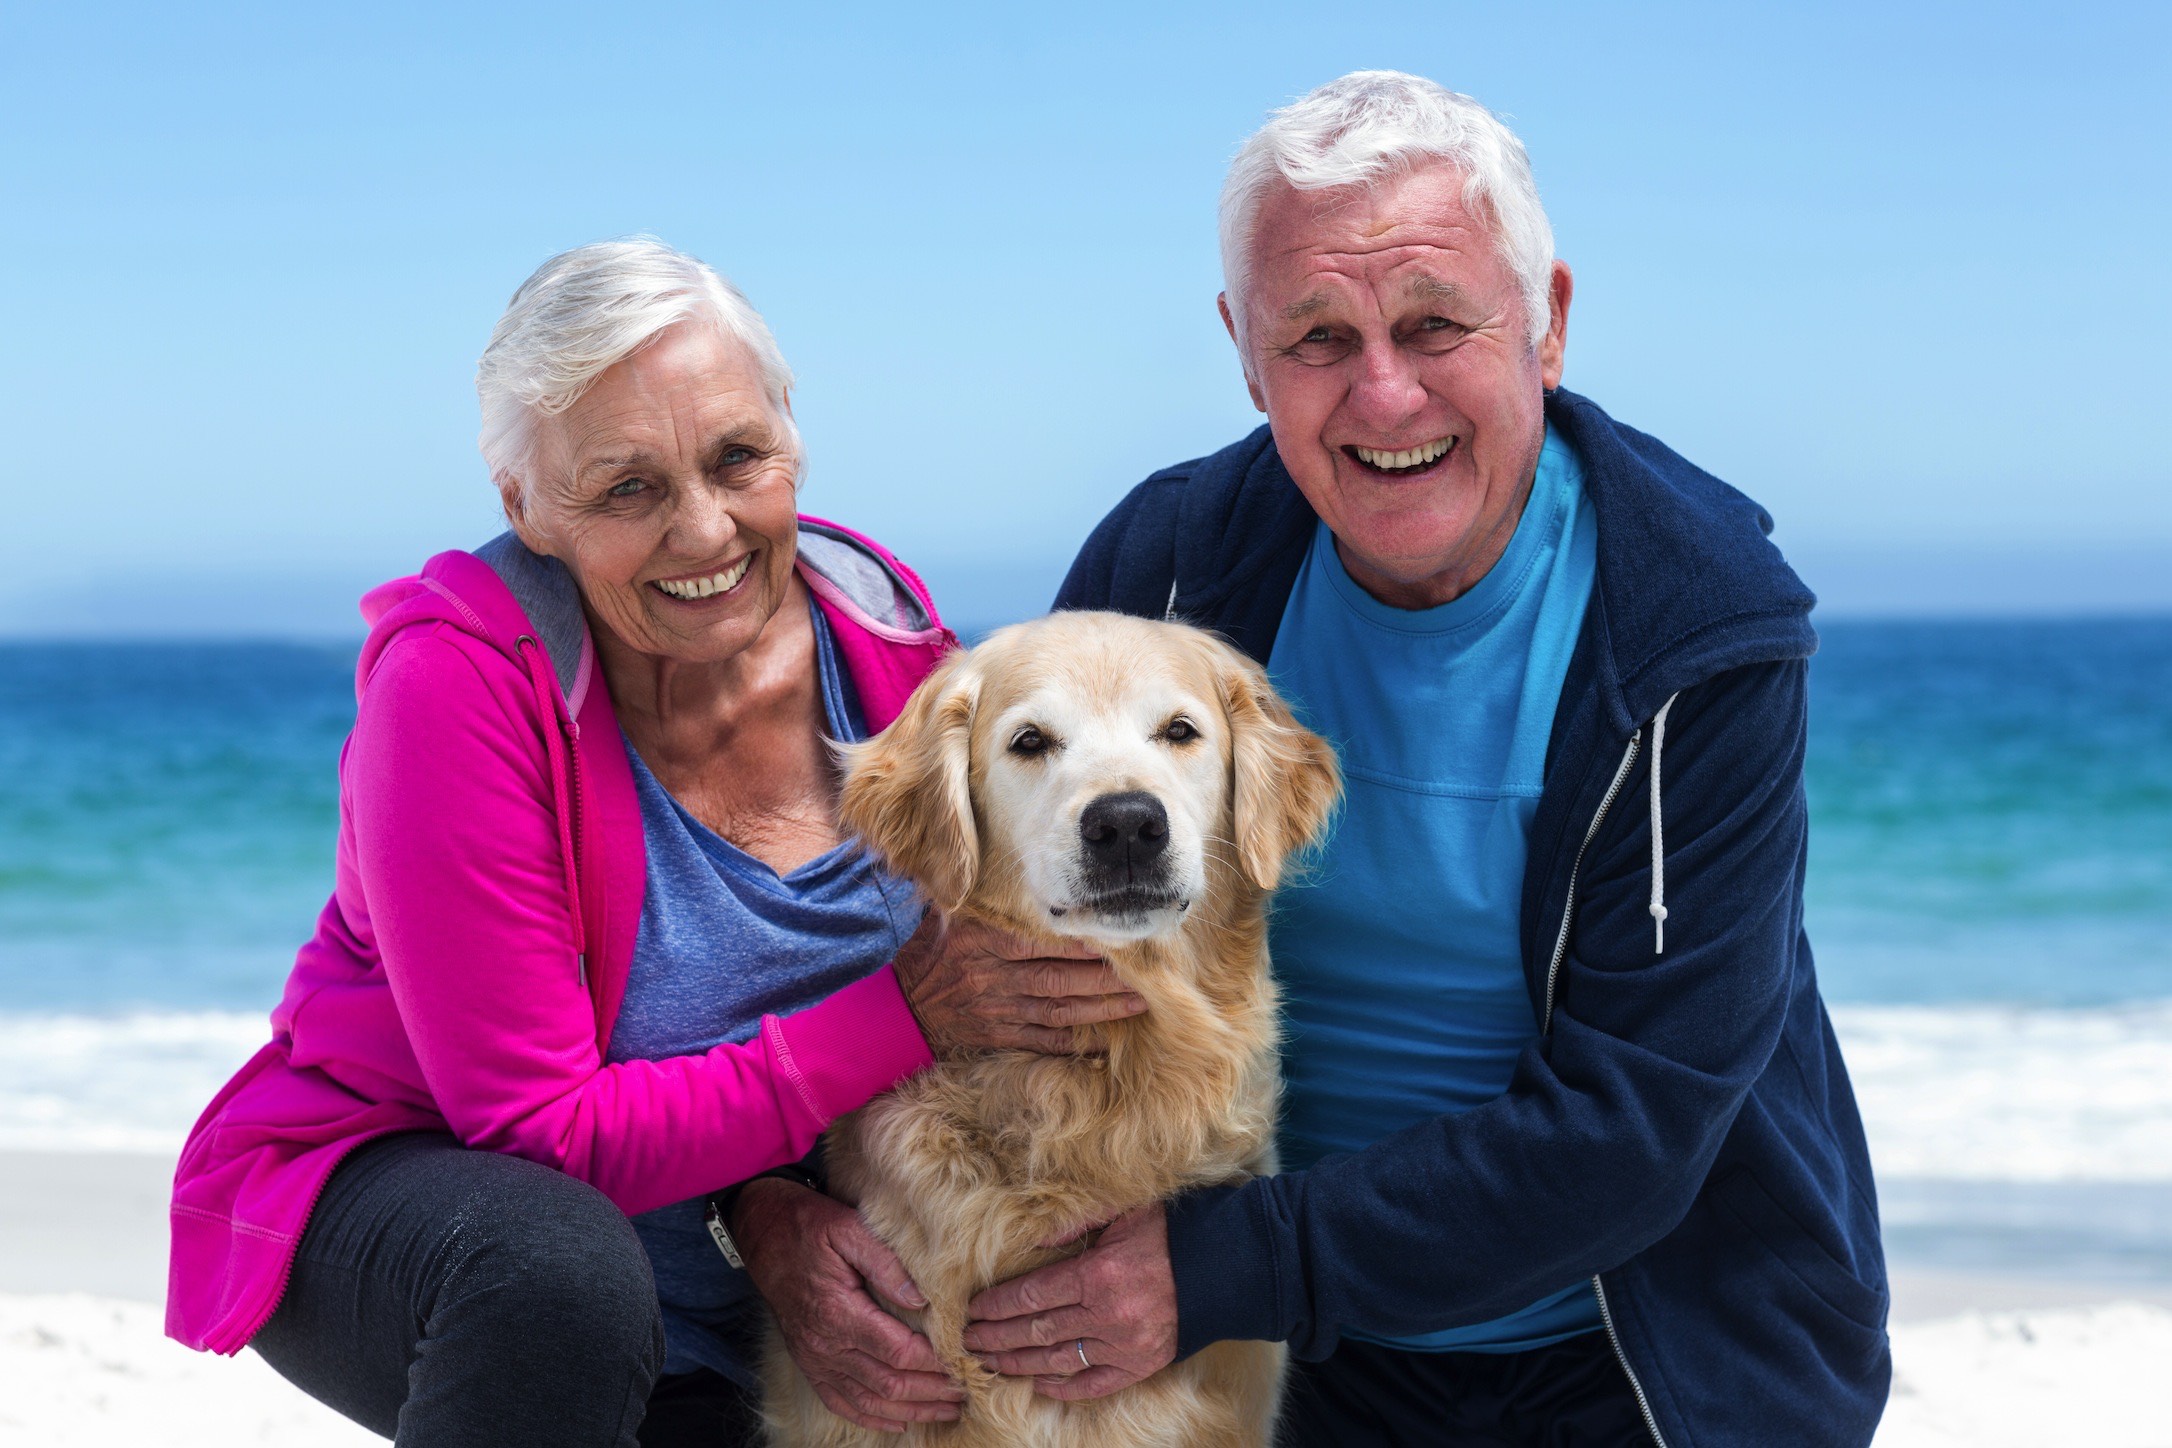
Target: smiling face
<point>668,491</point>
<point>1387,342</point>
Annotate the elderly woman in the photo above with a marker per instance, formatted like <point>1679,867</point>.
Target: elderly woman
<point>597,950</point>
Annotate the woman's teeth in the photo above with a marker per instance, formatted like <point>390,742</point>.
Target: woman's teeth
<point>1423,455</point>
<point>723,582</point>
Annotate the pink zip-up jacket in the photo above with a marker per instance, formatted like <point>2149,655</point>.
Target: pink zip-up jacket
<point>466,973</point>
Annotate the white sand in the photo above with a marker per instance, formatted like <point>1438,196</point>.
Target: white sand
<point>82,1370</point>
<point>2092,1375</point>
<point>78,1371</point>
<point>1986,1360</point>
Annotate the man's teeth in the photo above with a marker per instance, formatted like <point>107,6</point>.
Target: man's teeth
<point>702,587</point>
<point>1417,457</point>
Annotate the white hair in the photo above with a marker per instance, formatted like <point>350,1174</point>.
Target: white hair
<point>583,312</point>
<point>1374,124</point>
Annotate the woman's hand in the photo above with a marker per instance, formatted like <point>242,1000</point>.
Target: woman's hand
<point>816,1263</point>
<point>973,986</point>
<point>1118,1298</point>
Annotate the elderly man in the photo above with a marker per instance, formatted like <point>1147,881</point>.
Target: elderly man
<point>1571,1154</point>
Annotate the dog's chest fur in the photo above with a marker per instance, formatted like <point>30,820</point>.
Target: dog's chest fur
<point>991,1165</point>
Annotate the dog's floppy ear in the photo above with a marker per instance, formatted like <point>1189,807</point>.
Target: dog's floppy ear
<point>1285,780</point>
<point>908,791</point>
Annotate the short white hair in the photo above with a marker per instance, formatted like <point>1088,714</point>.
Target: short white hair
<point>1375,124</point>
<point>583,312</point>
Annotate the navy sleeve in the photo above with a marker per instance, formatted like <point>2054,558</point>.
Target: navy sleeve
<point>1610,1124</point>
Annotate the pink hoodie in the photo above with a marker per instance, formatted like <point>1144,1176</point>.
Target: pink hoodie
<point>467,970</point>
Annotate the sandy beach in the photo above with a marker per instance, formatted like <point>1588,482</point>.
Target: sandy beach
<point>1981,1359</point>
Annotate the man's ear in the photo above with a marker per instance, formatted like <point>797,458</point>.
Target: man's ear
<point>1229,321</point>
<point>1284,779</point>
<point>908,791</point>
<point>1553,348</point>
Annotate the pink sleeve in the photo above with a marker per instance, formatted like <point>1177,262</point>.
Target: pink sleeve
<point>456,842</point>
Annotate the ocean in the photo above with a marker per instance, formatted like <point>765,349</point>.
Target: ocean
<point>1990,902</point>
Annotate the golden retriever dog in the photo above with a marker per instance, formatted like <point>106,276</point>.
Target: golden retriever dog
<point>1137,785</point>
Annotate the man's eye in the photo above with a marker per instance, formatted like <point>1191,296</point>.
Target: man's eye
<point>735,456</point>
<point>1318,334</point>
<point>1180,730</point>
<point>1029,741</point>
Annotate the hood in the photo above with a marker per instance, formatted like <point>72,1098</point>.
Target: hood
<point>1689,582</point>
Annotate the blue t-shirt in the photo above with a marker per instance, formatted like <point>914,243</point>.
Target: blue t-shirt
<point>724,941</point>
<point>1398,952</point>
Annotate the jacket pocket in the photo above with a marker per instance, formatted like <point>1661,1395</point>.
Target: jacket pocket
<point>1742,1199</point>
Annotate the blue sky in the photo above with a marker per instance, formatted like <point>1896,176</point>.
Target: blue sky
<point>1898,271</point>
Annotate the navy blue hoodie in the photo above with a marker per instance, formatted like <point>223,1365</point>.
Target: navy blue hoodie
<point>1682,1131</point>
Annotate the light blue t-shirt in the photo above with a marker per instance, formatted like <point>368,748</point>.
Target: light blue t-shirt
<point>724,941</point>
<point>1398,953</point>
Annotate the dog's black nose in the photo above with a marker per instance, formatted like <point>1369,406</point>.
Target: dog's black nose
<point>1124,834</point>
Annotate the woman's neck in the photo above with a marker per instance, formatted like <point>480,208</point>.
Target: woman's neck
<point>739,743</point>
<point>679,714</point>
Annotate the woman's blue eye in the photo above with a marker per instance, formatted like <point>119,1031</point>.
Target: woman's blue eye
<point>628,488</point>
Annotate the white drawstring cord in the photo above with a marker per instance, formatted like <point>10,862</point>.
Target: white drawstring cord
<point>1659,847</point>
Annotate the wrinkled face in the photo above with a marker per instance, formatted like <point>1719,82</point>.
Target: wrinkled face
<point>667,490</point>
<point>1106,782</point>
<point>1387,341</point>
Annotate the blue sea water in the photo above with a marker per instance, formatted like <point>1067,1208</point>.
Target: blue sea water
<point>1990,899</point>
<point>1992,807</point>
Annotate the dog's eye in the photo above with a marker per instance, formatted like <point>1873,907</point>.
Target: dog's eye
<point>1029,741</point>
<point>1180,730</point>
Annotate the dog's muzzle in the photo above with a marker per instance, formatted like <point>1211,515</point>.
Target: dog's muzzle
<point>1124,851</point>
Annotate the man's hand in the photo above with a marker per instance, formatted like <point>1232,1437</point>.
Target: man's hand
<point>815,1262</point>
<point>974,987</point>
<point>1118,1296</point>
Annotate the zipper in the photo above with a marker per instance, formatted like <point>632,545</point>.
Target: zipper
<point>1546,1022</point>
<point>1568,906</point>
<point>1606,1315</point>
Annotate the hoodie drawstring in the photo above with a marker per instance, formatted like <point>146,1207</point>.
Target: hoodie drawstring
<point>1659,847</point>
<point>561,767</point>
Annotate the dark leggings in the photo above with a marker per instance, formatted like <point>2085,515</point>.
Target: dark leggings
<point>449,1298</point>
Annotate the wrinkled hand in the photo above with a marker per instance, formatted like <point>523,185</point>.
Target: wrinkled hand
<point>1119,1295</point>
<point>815,1262</point>
<point>972,986</point>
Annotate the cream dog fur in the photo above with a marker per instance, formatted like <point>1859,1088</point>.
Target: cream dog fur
<point>1134,784</point>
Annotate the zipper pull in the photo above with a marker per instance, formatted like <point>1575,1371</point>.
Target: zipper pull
<point>580,968</point>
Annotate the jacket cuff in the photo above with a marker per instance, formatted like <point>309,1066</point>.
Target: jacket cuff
<point>840,1052</point>
<point>1222,1254</point>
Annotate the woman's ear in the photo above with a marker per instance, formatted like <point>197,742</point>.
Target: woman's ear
<point>1284,779</point>
<point>908,791</point>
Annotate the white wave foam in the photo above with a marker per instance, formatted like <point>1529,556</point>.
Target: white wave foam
<point>125,1083</point>
<point>2013,1093</point>
<point>1972,1092</point>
